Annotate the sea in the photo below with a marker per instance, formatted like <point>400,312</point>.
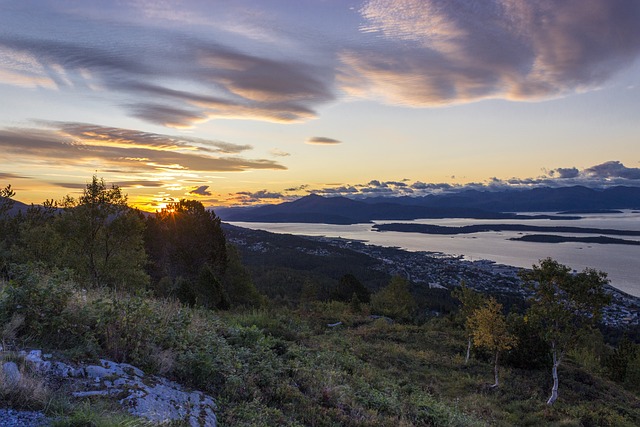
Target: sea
<point>620,262</point>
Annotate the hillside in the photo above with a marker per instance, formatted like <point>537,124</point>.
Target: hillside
<point>467,204</point>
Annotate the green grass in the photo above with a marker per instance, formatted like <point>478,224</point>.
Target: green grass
<point>288,368</point>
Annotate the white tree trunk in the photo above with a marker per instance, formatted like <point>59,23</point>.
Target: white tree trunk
<point>466,359</point>
<point>495,370</point>
<point>554,373</point>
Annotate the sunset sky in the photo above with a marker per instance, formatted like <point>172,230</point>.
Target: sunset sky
<point>240,102</point>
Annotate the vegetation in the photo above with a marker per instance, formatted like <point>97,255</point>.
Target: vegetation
<point>191,312</point>
<point>489,330</point>
<point>565,306</point>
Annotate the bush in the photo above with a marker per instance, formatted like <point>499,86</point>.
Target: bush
<point>40,298</point>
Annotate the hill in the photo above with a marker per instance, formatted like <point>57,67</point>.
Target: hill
<point>466,204</point>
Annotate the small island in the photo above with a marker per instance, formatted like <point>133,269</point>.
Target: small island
<point>482,228</point>
<point>550,238</point>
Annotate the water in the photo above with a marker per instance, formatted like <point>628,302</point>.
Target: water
<point>620,262</point>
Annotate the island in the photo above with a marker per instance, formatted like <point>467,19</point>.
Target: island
<point>482,228</point>
<point>550,238</point>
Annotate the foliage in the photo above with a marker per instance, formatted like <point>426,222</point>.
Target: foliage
<point>623,364</point>
<point>488,327</point>
<point>565,306</point>
<point>186,245</point>
<point>40,297</point>
<point>238,284</point>
<point>7,228</point>
<point>471,301</point>
<point>532,352</point>
<point>347,287</point>
<point>394,300</point>
<point>104,237</point>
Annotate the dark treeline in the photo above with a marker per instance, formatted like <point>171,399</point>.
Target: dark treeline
<point>180,251</point>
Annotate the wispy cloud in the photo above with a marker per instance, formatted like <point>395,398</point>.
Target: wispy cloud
<point>186,77</point>
<point>201,191</point>
<point>279,153</point>
<point>253,197</point>
<point>321,140</point>
<point>126,150</point>
<point>454,51</point>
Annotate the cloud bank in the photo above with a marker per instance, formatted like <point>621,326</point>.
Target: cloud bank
<point>124,150</point>
<point>185,64</point>
<point>456,51</point>
<point>607,174</point>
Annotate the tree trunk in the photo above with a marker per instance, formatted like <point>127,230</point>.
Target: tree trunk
<point>554,373</point>
<point>466,359</point>
<point>495,370</point>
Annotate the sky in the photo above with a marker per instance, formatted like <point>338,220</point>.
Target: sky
<point>248,102</point>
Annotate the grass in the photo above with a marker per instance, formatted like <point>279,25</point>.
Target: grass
<point>286,367</point>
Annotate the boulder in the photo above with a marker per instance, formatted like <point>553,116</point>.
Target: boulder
<point>155,398</point>
<point>11,373</point>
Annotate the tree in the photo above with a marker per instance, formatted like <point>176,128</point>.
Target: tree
<point>348,286</point>
<point>39,239</point>
<point>6,199</point>
<point>565,306</point>
<point>186,244</point>
<point>104,237</point>
<point>7,226</point>
<point>471,301</point>
<point>237,282</point>
<point>489,329</point>
<point>394,300</point>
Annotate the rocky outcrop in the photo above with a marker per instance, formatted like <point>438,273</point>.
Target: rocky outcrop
<point>154,398</point>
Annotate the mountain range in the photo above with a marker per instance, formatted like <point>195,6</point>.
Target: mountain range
<point>466,204</point>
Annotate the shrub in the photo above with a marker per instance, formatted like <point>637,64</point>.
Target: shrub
<point>41,298</point>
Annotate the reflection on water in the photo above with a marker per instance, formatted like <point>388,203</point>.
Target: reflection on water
<point>620,262</point>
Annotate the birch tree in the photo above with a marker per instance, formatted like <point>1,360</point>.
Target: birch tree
<point>471,301</point>
<point>488,327</point>
<point>565,306</point>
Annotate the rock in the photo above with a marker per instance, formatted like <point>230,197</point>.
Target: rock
<point>154,398</point>
<point>14,418</point>
<point>11,373</point>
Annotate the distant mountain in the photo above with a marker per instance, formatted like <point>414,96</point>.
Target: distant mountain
<point>466,204</point>
<point>544,199</point>
<point>17,206</point>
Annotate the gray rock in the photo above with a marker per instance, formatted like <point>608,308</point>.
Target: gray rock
<point>154,398</point>
<point>14,418</point>
<point>11,373</point>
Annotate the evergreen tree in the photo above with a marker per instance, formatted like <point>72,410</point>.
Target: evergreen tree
<point>186,244</point>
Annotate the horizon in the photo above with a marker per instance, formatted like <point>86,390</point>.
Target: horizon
<point>250,103</point>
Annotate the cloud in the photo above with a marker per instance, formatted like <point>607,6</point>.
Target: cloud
<point>436,52</point>
<point>565,172</point>
<point>321,140</point>
<point>278,153</point>
<point>179,65</point>
<point>603,175</point>
<point>613,169</point>
<point>298,188</point>
<point>8,176</point>
<point>248,197</point>
<point>201,191</point>
<point>123,150</point>
<point>104,135</point>
<point>183,76</point>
